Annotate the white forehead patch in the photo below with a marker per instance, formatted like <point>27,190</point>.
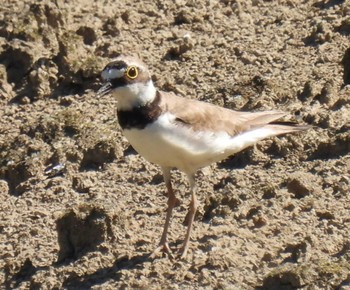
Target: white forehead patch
<point>112,73</point>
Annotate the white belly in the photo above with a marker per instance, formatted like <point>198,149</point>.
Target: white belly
<point>169,144</point>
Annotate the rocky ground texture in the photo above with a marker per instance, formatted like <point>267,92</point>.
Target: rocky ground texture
<point>79,209</point>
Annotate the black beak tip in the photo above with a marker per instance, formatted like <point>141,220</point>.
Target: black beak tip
<point>104,90</point>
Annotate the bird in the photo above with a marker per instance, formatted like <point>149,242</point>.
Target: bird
<point>181,133</point>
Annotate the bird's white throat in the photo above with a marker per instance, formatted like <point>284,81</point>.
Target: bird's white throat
<point>134,95</point>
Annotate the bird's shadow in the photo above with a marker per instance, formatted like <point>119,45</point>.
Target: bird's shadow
<point>105,274</point>
<point>238,161</point>
<point>73,280</point>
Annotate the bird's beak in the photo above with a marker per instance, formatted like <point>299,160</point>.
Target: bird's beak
<point>105,89</point>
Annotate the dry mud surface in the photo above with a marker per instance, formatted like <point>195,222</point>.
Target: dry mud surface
<point>79,209</point>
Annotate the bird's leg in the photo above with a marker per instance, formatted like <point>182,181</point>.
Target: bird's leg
<point>172,202</point>
<point>191,215</point>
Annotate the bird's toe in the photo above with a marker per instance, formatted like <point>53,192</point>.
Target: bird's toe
<point>162,248</point>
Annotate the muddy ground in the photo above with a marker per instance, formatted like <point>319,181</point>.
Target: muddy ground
<point>81,210</point>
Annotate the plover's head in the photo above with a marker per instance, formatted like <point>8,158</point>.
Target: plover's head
<point>128,79</point>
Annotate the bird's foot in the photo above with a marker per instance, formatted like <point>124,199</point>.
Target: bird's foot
<point>162,248</point>
<point>183,251</point>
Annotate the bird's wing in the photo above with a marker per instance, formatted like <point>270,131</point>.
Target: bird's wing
<point>202,116</point>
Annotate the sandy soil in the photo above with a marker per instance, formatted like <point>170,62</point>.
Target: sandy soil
<point>81,210</point>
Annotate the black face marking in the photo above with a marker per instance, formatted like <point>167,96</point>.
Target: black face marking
<point>133,74</point>
<point>119,82</point>
<point>140,117</point>
<point>118,64</point>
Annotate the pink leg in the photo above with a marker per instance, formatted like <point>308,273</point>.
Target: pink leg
<point>192,213</point>
<point>172,202</point>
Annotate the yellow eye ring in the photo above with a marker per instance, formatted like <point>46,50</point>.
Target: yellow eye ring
<point>132,72</point>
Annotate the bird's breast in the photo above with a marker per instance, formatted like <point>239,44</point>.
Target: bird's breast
<point>140,117</point>
<point>171,144</point>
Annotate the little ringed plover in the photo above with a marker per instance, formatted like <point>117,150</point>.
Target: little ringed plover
<point>176,132</point>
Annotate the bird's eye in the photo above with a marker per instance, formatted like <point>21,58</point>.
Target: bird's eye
<point>132,72</point>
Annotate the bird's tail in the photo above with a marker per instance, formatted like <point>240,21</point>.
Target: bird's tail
<point>280,127</point>
<point>274,128</point>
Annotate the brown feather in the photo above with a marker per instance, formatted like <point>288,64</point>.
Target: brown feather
<point>203,116</point>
